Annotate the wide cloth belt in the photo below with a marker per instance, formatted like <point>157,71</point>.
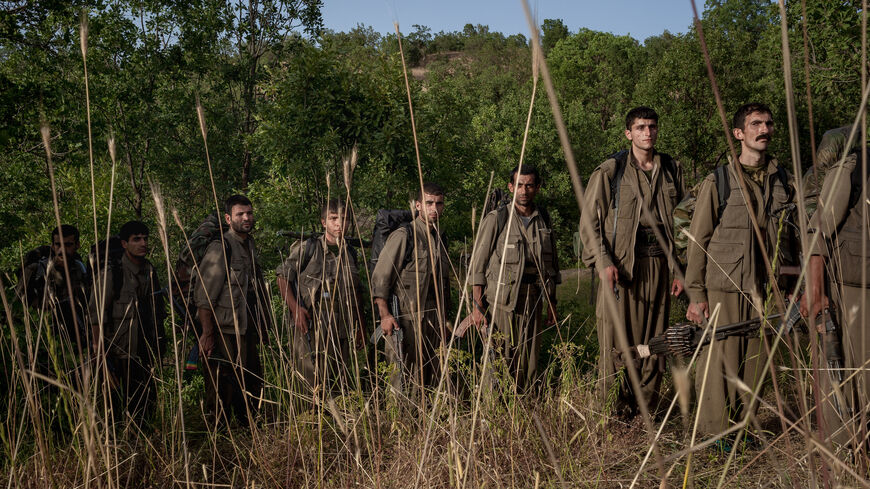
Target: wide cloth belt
<point>646,243</point>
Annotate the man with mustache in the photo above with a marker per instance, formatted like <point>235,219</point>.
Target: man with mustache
<point>628,238</point>
<point>726,266</point>
<point>514,271</point>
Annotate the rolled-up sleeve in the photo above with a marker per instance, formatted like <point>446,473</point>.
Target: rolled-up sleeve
<point>213,278</point>
<point>389,264</point>
<point>483,249</point>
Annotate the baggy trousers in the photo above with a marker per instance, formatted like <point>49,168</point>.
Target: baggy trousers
<point>642,311</point>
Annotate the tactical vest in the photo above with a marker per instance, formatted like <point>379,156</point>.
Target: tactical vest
<point>850,257</point>
<point>733,254</point>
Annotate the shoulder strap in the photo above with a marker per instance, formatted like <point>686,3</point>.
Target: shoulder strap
<point>545,215</point>
<point>670,169</point>
<point>621,158</point>
<point>310,249</point>
<point>615,184</point>
<point>855,184</point>
<point>409,243</point>
<point>723,187</point>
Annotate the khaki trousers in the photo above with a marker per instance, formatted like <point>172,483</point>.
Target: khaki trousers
<point>517,343</point>
<point>846,404</point>
<point>719,400</point>
<point>642,312</point>
<point>234,376</point>
<point>415,359</point>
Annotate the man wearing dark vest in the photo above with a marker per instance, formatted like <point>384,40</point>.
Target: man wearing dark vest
<point>628,238</point>
<point>839,231</point>
<point>319,281</point>
<point>413,265</point>
<point>726,266</point>
<point>527,247</point>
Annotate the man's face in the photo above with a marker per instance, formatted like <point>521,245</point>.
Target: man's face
<point>432,207</point>
<point>136,245</point>
<point>69,245</point>
<point>757,131</point>
<point>643,133</point>
<point>526,188</point>
<point>334,225</point>
<point>241,218</point>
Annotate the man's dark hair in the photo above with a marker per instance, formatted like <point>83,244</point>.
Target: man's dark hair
<point>67,230</point>
<point>525,170</point>
<point>739,121</point>
<point>430,188</point>
<point>641,112</point>
<point>132,227</point>
<point>234,200</point>
<point>334,205</point>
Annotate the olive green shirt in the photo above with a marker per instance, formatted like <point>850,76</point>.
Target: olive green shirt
<point>329,282</point>
<point>725,254</point>
<point>124,321</point>
<point>233,301</point>
<point>608,239</point>
<point>525,250</point>
<point>425,276</point>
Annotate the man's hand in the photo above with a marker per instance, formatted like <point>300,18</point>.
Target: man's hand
<point>206,344</point>
<point>300,318</point>
<point>478,319</point>
<point>676,287</point>
<point>388,324</point>
<point>814,300</point>
<point>609,276</point>
<point>698,312</point>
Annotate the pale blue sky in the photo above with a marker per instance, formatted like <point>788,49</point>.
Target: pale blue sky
<point>638,18</point>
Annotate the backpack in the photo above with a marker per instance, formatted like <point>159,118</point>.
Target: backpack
<point>197,243</point>
<point>35,285</point>
<point>621,157</point>
<point>387,221</point>
<point>96,266</point>
<point>686,208</point>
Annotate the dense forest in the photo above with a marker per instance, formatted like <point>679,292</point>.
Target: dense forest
<point>284,100</point>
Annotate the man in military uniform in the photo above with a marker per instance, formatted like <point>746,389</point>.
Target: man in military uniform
<point>233,309</point>
<point>43,286</point>
<point>629,240</point>
<point>413,265</point>
<point>319,281</point>
<point>128,300</point>
<point>839,230</point>
<point>726,267</point>
<point>514,271</point>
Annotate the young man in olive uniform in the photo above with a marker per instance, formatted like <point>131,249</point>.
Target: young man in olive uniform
<point>840,226</point>
<point>413,265</point>
<point>630,200</point>
<point>726,267</point>
<point>133,312</point>
<point>43,286</point>
<point>319,281</point>
<point>527,246</point>
<point>233,308</point>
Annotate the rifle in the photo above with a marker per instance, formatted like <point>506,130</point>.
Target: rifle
<point>682,339</point>
<point>357,242</point>
<point>398,335</point>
